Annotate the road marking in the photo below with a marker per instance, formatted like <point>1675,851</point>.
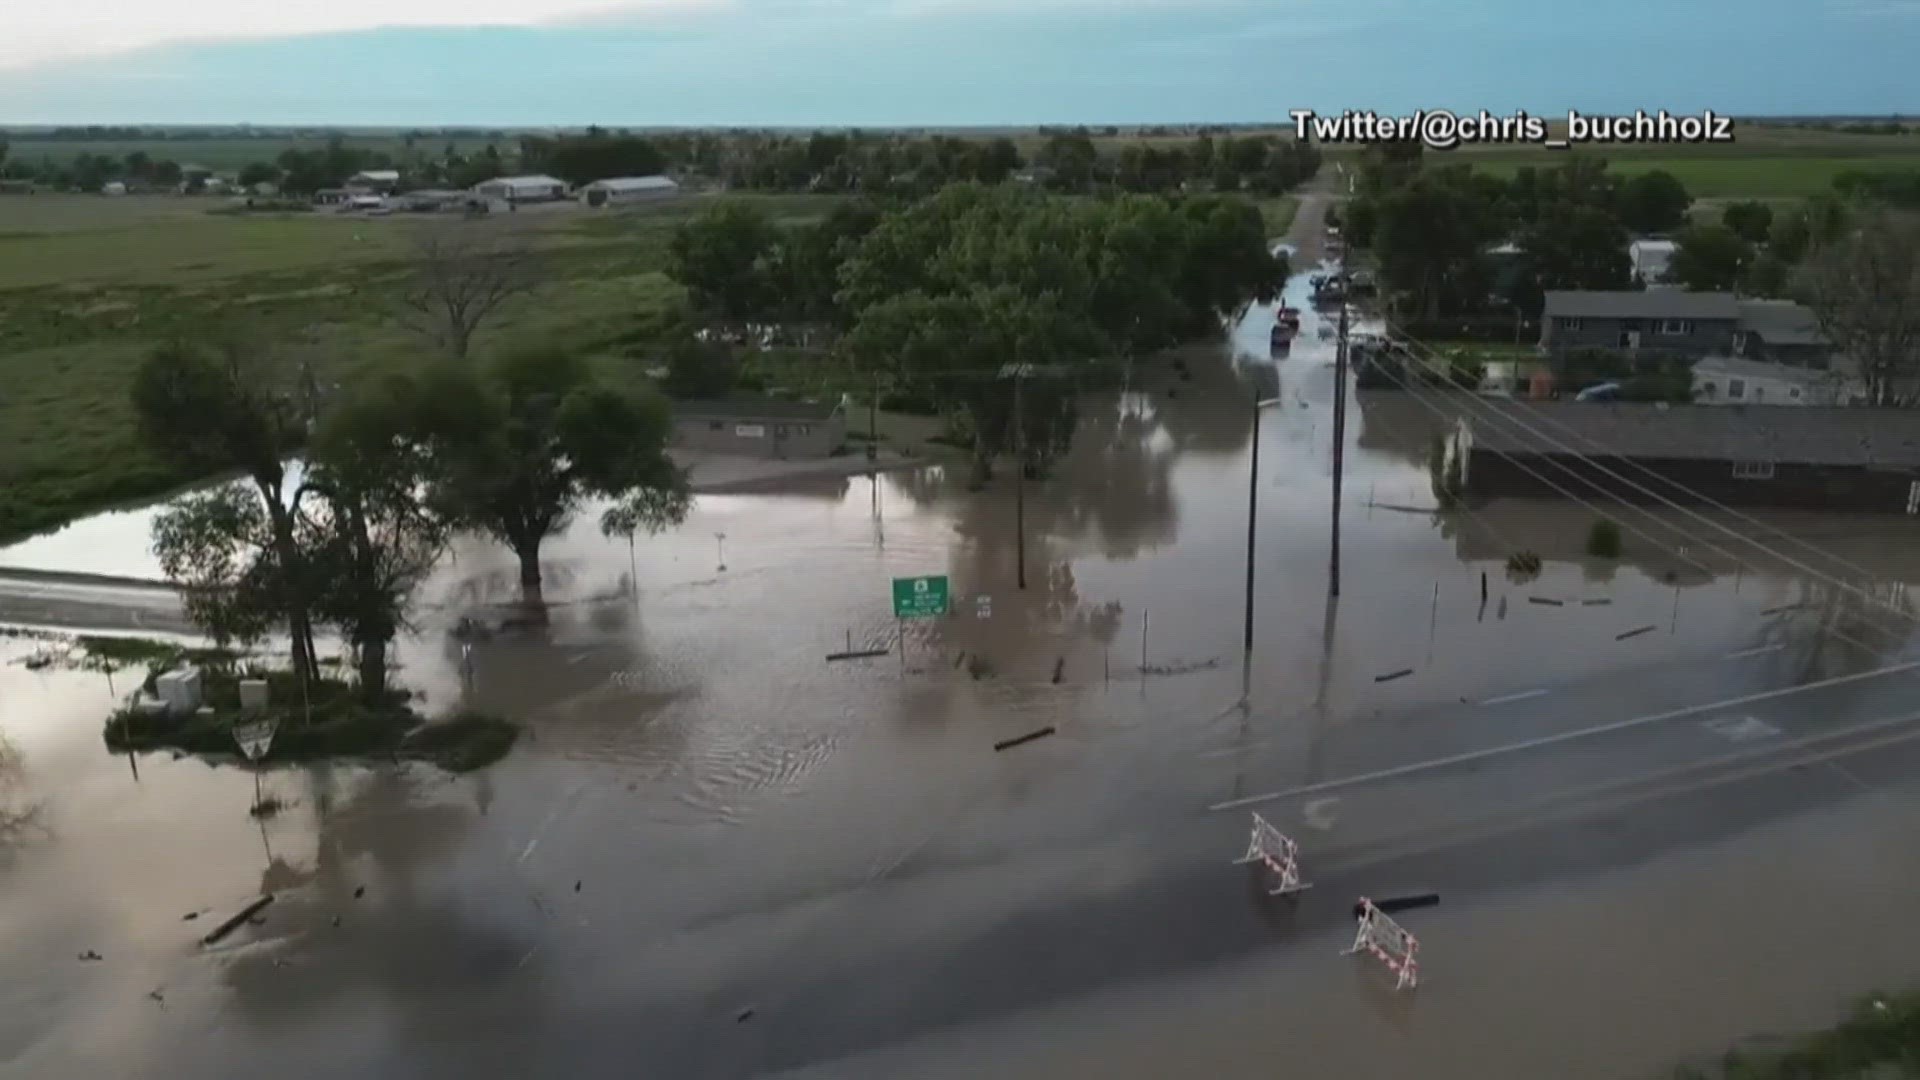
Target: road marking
<point>1550,740</point>
<point>1521,696</point>
<point>1741,728</point>
<point>1316,814</point>
<point>1755,651</point>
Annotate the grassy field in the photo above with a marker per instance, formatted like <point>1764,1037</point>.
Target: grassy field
<point>89,285</point>
<point>227,155</point>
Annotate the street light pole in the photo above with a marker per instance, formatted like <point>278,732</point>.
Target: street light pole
<point>1339,436</point>
<point>1253,505</point>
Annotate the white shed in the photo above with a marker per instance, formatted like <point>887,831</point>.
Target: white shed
<point>521,189</point>
<point>628,189</point>
<point>1650,260</point>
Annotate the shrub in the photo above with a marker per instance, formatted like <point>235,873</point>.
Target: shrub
<point>1603,540</point>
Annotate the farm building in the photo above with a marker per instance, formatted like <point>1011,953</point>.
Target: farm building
<point>429,200</point>
<point>1815,457</point>
<point>760,427</point>
<point>384,181</point>
<point>628,189</point>
<point>522,189</point>
<point>114,187</point>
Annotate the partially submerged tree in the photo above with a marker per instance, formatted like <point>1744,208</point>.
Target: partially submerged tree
<point>518,446</point>
<point>1866,290</point>
<point>464,273</point>
<point>210,414</point>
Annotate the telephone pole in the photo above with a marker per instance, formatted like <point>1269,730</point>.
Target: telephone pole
<point>1339,430</point>
<point>1019,481</point>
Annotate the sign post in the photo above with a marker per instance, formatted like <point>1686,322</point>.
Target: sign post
<point>255,739</point>
<point>924,597</point>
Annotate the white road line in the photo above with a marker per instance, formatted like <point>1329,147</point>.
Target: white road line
<point>1521,696</point>
<point>1549,740</point>
<point>1755,651</point>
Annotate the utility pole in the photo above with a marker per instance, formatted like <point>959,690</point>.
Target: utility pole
<point>1253,505</point>
<point>1339,432</point>
<point>1019,480</point>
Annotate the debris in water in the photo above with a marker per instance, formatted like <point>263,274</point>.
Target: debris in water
<point>246,915</point>
<point>1392,675</point>
<point>744,1016</point>
<point>576,886</point>
<point>359,892</point>
<point>190,916</point>
<point>1058,666</point>
<point>91,955</point>
<point>336,920</point>
<point>1027,738</point>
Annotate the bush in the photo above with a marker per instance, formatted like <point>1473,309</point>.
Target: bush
<point>1603,540</point>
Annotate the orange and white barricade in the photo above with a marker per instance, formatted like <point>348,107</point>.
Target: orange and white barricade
<point>1389,941</point>
<point>1271,848</point>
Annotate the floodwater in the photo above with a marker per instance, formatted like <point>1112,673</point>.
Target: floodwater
<point>717,854</point>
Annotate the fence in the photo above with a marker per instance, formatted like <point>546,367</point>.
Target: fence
<point>1271,848</point>
<point>1388,941</point>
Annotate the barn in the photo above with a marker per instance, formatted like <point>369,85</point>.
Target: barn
<point>521,189</point>
<point>628,189</point>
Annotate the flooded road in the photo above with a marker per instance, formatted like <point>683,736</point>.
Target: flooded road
<point>718,855</point>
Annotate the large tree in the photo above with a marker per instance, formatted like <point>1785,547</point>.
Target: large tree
<point>464,273</point>
<point>519,445</point>
<point>1866,290</point>
<point>235,410</point>
<point>1654,202</point>
<point>1430,241</point>
<point>1710,258</point>
<point>723,259</point>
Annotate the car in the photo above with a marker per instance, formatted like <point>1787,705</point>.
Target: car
<point>1606,391</point>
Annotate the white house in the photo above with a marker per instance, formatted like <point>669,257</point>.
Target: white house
<point>1732,380</point>
<point>521,189</point>
<point>628,189</point>
<point>1651,260</point>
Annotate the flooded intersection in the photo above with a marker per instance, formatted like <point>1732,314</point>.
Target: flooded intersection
<point>716,854</point>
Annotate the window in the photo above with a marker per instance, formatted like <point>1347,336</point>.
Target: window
<point>1629,324</point>
<point>780,430</point>
<point>715,425</point>
<point>1736,388</point>
<point>1708,390</point>
<point>1740,343</point>
<point>1753,470</point>
<point>1793,392</point>
<point>1676,327</point>
<point>1565,323</point>
<point>804,429</point>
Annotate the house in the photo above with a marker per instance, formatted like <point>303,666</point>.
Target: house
<point>332,197</point>
<point>628,189</point>
<point>519,189</point>
<point>1733,380</point>
<point>760,427</point>
<point>383,181</point>
<point>1782,332</point>
<point>1652,261</point>
<point>1657,322</point>
<point>431,200</point>
<point>1813,457</point>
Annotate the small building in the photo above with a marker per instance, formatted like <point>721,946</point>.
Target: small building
<point>521,189</point>
<point>17,187</point>
<point>384,181</point>
<point>1815,457</point>
<point>114,187</point>
<point>760,427</point>
<point>332,197</point>
<point>1734,380</point>
<point>1656,322</point>
<point>629,189</point>
<point>431,200</point>
<point>1652,261</point>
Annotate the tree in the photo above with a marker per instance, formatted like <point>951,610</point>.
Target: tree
<point>1710,258</point>
<point>464,273</point>
<point>374,540</point>
<point>1654,202</point>
<point>519,445</point>
<point>1866,290</point>
<point>699,369</point>
<point>208,414</point>
<point>1751,220</point>
<point>1572,247</point>
<point>1430,240</point>
<point>258,172</point>
<point>722,259</point>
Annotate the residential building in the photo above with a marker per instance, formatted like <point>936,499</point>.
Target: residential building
<point>1813,457</point>
<point>332,197</point>
<point>381,181</point>
<point>519,189</point>
<point>760,427</point>
<point>1652,261</point>
<point>1782,332</point>
<point>1733,380</point>
<point>628,189</point>
<point>1658,322</point>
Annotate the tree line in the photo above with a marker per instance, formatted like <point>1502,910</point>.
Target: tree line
<point>990,302</point>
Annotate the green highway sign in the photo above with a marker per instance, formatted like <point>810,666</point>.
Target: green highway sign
<point>920,597</point>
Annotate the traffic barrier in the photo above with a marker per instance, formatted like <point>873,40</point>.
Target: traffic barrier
<point>1387,940</point>
<point>1271,848</point>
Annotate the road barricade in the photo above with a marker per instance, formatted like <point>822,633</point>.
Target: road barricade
<point>1271,848</point>
<point>1390,942</point>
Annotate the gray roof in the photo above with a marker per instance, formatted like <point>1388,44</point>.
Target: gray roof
<point>1742,367</point>
<point>750,408</point>
<point>1653,304</point>
<point>1789,434</point>
<point>1777,315</point>
<point>635,183</point>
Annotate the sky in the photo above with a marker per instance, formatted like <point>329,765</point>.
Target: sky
<point>936,62</point>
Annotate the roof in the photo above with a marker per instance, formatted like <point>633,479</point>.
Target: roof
<point>524,181</point>
<point>635,183</point>
<point>1740,367</point>
<point>755,408</point>
<point>1781,322</point>
<point>1791,434</point>
<point>379,174</point>
<point>1653,304</point>
<point>1652,247</point>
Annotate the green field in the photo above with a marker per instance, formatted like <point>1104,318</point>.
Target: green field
<point>229,155</point>
<point>89,284</point>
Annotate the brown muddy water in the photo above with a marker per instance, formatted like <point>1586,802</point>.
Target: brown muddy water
<point>836,847</point>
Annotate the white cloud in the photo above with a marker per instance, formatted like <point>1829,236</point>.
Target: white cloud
<point>39,32</point>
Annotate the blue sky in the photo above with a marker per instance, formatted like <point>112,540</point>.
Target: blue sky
<point>936,62</point>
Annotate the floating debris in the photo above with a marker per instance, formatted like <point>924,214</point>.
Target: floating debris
<point>1027,738</point>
